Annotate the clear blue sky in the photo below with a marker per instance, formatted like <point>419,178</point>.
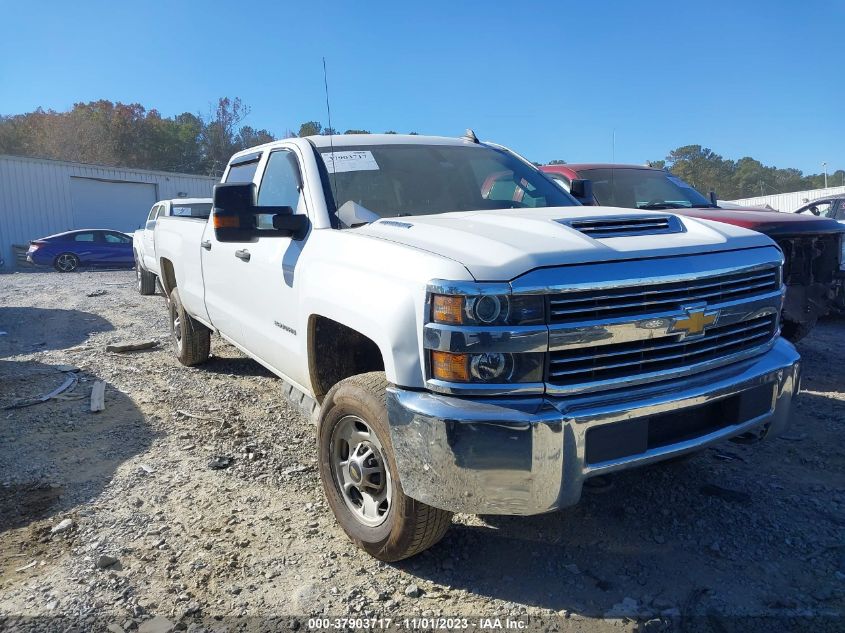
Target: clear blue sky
<point>551,80</point>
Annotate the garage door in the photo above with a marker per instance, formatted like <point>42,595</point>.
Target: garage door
<point>102,204</point>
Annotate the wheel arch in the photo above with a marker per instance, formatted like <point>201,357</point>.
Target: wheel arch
<point>337,351</point>
<point>168,276</point>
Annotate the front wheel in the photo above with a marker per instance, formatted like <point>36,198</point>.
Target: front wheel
<point>191,339</point>
<point>66,263</point>
<point>359,474</point>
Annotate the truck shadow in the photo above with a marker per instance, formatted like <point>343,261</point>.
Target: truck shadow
<point>39,329</point>
<point>55,456</point>
<point>734,529</point>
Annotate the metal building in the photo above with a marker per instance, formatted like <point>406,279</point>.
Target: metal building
<point>788,202</point>
<point>41,197</point>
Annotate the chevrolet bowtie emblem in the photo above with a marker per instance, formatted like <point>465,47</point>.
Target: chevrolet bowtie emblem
<point>695,321</point>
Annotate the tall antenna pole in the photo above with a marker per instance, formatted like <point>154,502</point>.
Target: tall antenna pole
<point>331,129</point>
<point>613,148</point>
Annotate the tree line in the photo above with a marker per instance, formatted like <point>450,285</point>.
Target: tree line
<point>129,135</point>
<point>744,178</point>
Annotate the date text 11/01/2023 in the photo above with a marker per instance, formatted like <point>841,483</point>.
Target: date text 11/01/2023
<point>418,624</point>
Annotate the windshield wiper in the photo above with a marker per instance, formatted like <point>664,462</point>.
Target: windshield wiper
<point>662,205</point>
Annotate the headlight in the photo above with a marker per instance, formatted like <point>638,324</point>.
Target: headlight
<point>488,309</point>
<point>487,367</point>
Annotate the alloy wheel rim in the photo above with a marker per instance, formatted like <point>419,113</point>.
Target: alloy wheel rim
<point>177,331</point>
<point>360,471</point>
<point>66,263</point>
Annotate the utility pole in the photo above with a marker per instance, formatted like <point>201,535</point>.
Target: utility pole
<point>824,166</point>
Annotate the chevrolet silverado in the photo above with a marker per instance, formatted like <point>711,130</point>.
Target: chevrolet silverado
<point>467,337</point>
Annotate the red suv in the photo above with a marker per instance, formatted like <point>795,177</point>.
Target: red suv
<point>812,246</point>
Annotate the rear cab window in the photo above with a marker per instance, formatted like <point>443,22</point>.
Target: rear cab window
<point>191,210</point>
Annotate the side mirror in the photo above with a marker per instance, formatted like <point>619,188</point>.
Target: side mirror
<point>293,224</point>
<point>235,216</point>
<point>582,190</point>
<point>714,199</point>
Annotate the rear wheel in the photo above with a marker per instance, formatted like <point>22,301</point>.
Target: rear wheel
<point>191,339</point>
<point>66,263</point>
<point>146,280</point>
<point>359,474</point>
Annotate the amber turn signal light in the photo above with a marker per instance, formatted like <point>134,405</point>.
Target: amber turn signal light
<point>447,309</point>
<point>227,221</point>
<point>450,367</point>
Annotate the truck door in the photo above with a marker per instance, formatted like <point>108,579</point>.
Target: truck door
<point>149,245</point>
<point>274,329</point>
<point>225,268</point>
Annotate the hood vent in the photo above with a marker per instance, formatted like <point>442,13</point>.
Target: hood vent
<point>626,225</point>
<point>401,225</point>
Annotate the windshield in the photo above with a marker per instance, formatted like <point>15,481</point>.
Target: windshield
<point>403,180</point>
<point>642,189</point>
<point>193,210</point>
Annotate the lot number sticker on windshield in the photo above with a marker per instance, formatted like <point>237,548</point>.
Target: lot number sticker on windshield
<point>339,162</point>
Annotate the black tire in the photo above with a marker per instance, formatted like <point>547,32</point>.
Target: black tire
<point>146,280</point>
<point>409,526</point>
<point>793,331</point>
<point>66,263</point>
<point>191,339</point>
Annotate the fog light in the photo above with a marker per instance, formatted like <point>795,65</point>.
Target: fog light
<point>489,367</point>
<point>450,367</point>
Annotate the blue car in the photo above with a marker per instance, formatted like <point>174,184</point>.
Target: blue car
<point>88,247</point>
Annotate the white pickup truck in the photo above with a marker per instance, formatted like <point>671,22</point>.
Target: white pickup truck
<point>143,240</point>
<point>468,337</point>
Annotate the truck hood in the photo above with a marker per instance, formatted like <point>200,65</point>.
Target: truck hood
<point>502,245</point>
<point>772,223</point>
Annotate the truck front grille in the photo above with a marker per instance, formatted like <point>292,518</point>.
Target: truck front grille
<point>635,301</point>
<point>809,260</point>
<point>622,360</point>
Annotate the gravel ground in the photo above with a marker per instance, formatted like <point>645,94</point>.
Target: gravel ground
<point>112,518</point>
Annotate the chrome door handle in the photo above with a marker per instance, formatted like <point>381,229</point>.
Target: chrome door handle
<point>242,254</point>
<point>206,244</point>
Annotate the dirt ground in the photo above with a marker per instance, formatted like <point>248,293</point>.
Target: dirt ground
<point>741,535</point>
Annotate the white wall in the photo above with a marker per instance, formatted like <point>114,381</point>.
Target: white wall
<point>789,202</point>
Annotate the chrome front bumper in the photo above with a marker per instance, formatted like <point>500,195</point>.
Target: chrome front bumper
<point>531,455</point>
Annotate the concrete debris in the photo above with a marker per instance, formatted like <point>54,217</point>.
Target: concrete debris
<point>98,396</point>
<point>131,347</point>
<point>62,526</point>
<point>104,561</point>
